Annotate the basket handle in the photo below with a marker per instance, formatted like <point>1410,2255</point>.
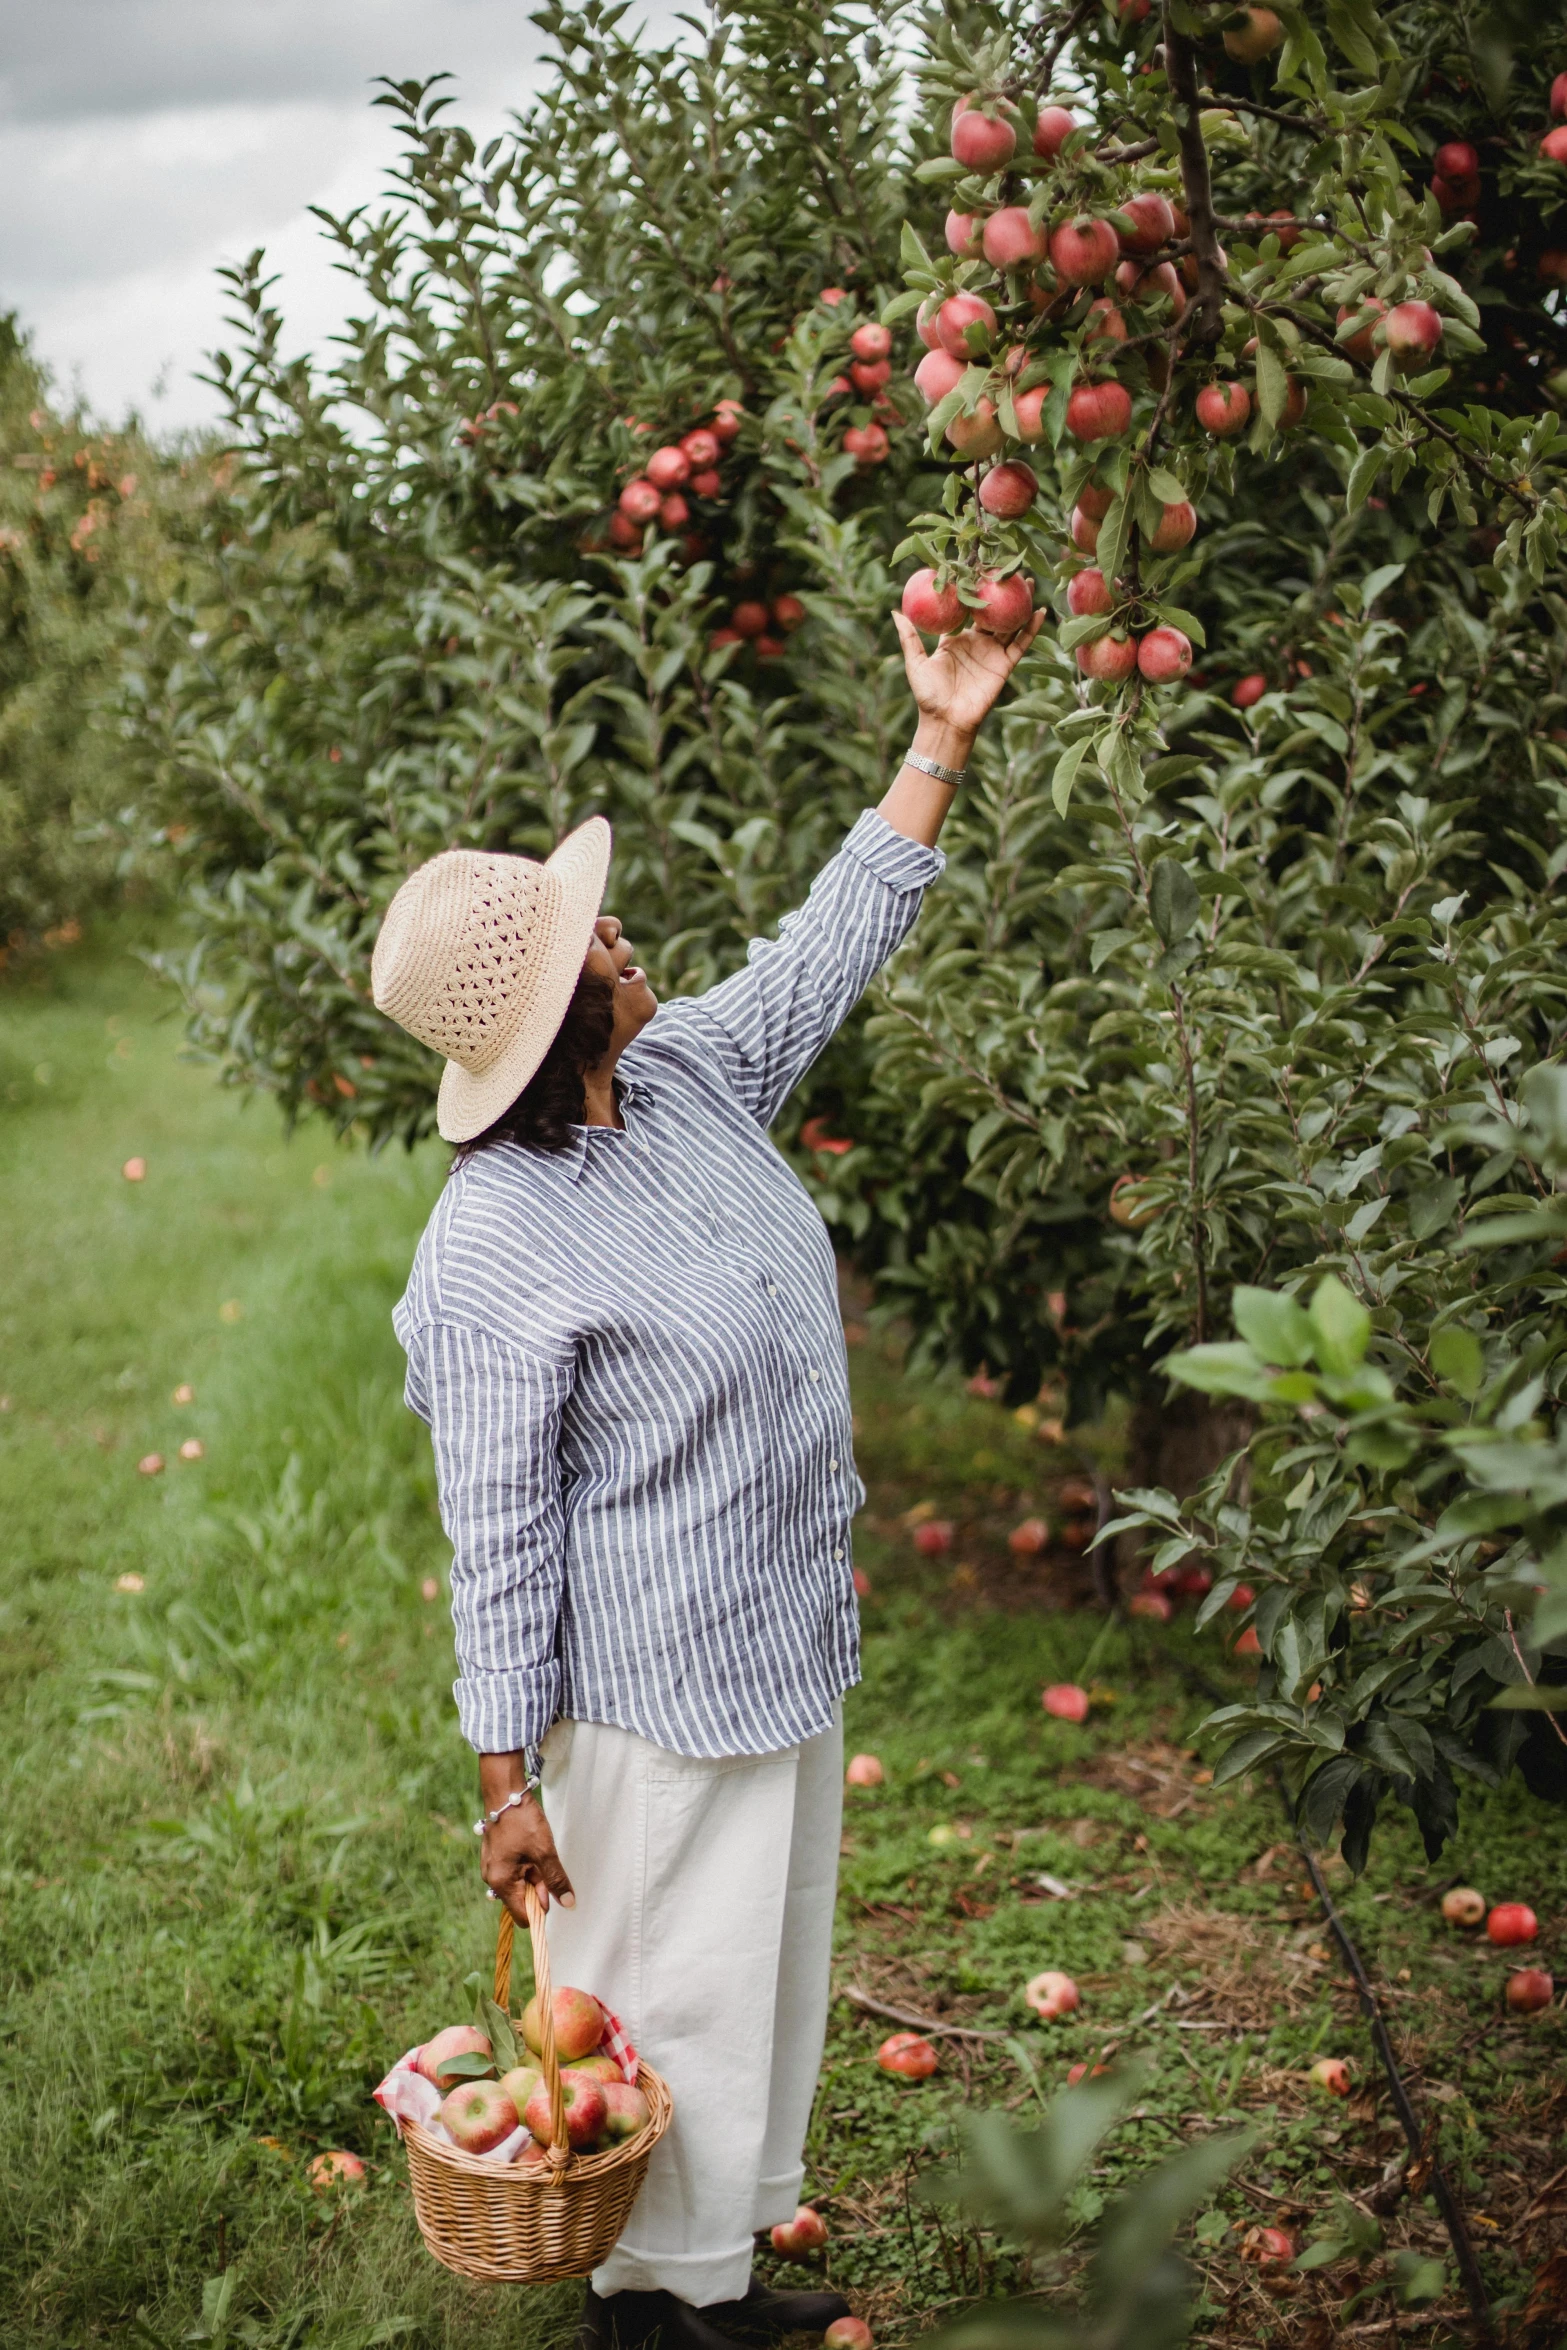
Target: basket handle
<point>560,2143</point>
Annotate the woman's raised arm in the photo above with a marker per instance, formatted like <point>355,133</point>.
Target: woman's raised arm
<point>954,688</point>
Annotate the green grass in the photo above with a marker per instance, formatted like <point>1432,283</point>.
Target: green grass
<point>236,1876</point>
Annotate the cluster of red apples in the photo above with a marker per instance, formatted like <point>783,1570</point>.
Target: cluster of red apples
<point>486,2107</point>
<point>1530,1989</point>
<point>658,493</point>
<point>1080,274</point>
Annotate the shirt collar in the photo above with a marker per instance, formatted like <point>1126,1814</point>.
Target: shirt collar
<point>636,1099</point>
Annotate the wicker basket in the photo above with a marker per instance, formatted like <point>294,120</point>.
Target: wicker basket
<point>531,2227</point>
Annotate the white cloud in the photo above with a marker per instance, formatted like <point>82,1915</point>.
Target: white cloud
<point>146,141</point>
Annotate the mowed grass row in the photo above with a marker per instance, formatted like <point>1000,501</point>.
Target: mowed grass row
<point>236,1872</point>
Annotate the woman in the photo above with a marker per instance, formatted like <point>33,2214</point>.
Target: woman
<point>622,1326</point>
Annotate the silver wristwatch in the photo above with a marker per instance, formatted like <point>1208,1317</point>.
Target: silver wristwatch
<point>951,775</point>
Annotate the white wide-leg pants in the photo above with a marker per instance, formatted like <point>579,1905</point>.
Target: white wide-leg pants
<point>704,1920</point>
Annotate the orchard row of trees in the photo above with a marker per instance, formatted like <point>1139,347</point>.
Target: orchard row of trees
<point>1237,337</point>
<point>90,527</point>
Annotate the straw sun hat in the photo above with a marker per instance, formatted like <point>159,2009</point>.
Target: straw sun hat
<point>478,957</point>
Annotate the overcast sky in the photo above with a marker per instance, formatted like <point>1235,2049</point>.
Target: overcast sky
<point>143,142</point>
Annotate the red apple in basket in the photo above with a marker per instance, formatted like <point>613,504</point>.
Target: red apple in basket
<point>806,2232</point>
<point>456,2040</point>
<point>479,2114</point>
<point>598,2067</point>
<point>586,2111</point>
<point>579,2023</point>
<point>520,2083</point>
<point>626,2110</point>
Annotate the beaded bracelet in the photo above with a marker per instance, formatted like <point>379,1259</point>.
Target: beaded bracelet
<point>520,1795</point>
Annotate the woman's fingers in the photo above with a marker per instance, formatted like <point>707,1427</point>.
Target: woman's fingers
<point>909,638</point>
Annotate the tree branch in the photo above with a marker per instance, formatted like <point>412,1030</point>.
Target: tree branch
<point>1181,71</point>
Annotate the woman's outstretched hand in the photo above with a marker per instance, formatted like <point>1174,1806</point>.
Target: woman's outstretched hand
<point>957,685</point>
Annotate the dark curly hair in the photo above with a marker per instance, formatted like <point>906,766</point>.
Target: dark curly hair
<point>554,1098</point>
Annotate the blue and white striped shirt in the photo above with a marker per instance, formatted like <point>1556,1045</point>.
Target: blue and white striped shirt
<point>631,1359</point>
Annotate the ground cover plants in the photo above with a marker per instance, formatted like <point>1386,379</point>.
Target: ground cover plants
<point>238,1874</point>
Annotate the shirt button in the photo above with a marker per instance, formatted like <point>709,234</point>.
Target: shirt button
<point>837,1554</point>
<point>772,1289</point>
<point>815,1374</point>
<point>833,1463</point>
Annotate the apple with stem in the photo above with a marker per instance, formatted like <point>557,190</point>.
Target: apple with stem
<point>478,2115</point>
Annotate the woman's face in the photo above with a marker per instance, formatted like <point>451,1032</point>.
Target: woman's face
<point>610,958</point>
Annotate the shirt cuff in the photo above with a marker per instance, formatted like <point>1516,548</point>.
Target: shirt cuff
<point>507,1713</point>
<point>902,863</point>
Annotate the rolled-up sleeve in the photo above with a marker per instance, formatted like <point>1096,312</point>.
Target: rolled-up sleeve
<point>494,1414</point>
<point>769,1022</point>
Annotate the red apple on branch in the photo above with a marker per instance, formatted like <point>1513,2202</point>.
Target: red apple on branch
<point>1005,605</point>
<point>963,232</point>
<point>1412,331</point>
<point>1083,252</point>
<point>871,341</point>
<point>1009,490</point>
<point>1089,595</point>
<point>1099,412</point>
<point>867,444</point>
<point>937,374</point>
<point>1177,528</point>
<point>984,142</point>
<point>1084,532</point>
<point>935,611</point>
<point>1248,691</point>
<point>1054,126</point>
<point>965,325</point>
<point>668,468</point>
<point>1010,239</point>
<point>1223,409</point>
<point>1361,344</point>
<point>1109,660</point>
<point>639,501</point>
<point>1164,655</point>
<point>1257,38</point>
<point>976,435</point>
<point>1153,223</point>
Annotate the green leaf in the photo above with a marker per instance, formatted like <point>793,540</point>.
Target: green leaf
<point>1273,384</point>
<point>1167,487</point>
<point>1274,1325</point>
<point>1066,775</point>
<point>1456,1358</point>
<point>1221,1370</point>
<point>1362,477</point>
<point>1173,903</point>
<point>1341,1324</point>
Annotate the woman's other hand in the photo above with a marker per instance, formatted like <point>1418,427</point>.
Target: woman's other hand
<point>519,1848</point>
<point>957,685</point>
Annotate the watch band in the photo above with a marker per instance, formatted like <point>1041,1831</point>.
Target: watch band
<point>952,775</point>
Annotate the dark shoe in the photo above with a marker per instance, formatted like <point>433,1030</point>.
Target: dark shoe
<point>766,2316</point>
<point>627,2321</point>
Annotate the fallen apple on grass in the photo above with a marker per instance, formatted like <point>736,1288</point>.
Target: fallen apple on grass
<point>1065,1701</point>
<point>806,2232</point>
<point>1084,2072</point>
<point>1510,1922</point>
<point>864,1771</point>
<point>848,2333</point>
<point>1463,1906</point>
<point>933,1537</point>
<point>1333,2074</point>
<point>1529,1990</point>
<point>336,2168</point>
<point>906,2054</point>
<point>1028,1539</point>
<point>1052,1995</point>
<point>1267,2247</point>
